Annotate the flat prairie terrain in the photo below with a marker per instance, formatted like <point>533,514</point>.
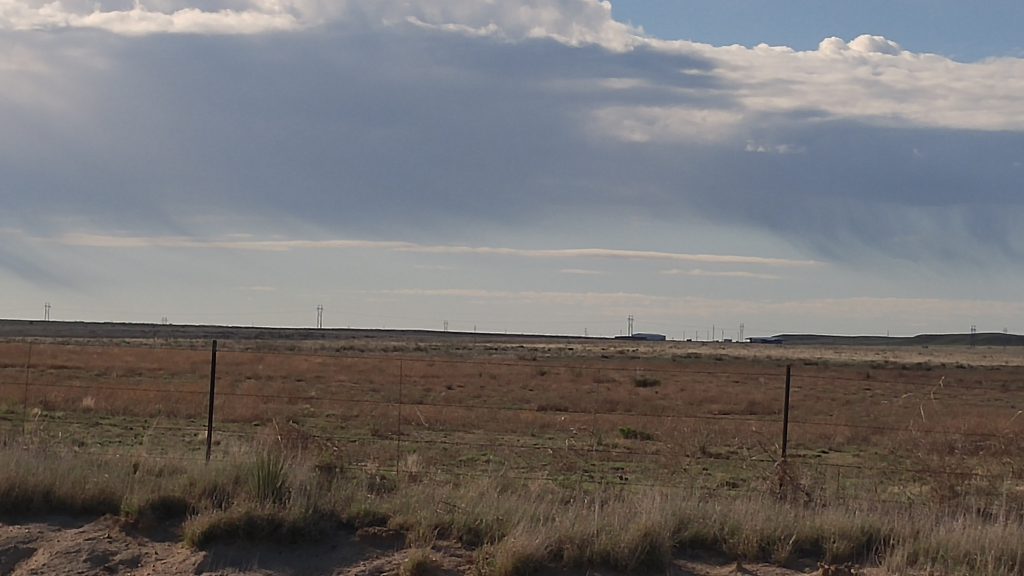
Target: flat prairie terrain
<point>702,415</point>
<point>906,427</point>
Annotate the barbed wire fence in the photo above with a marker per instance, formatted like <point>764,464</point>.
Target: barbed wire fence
<point>622,422</point>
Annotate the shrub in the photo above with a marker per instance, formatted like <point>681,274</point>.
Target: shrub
<point>633,434</point>
<point>646,382</point>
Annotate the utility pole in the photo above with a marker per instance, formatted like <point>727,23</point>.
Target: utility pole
<point>445,325</point>
<point>46,312</point>
<point>319,316</point>
<point>974,332</point>
<point>741,332</point>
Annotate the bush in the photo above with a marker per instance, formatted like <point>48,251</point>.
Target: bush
<point>646,382</point>
<point>634,434</point>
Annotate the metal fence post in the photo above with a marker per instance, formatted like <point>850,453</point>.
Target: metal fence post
<point>785,412</point>
<point>213,386</point>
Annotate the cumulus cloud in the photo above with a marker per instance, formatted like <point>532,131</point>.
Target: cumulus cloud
<point>574,22</point>
<point>872,79</point>
<point>360,117</point>
<point>138,19</point>
<point>864,44</point>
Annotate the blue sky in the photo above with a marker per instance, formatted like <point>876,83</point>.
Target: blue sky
<point>543,166</point>
<point>964,31</point>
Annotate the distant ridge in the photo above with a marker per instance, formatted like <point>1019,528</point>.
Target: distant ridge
<point>979,339</point>
<point>128,330</point>
<point>134,331</point>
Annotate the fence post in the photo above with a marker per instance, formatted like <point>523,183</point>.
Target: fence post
<point>24,407</point>
<point>785,412</point>
<point>398,436</point>
<point>213,386</point>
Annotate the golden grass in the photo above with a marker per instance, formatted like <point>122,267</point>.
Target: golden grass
<point>515,526</point>
<point>712,419</point>
<point>579,447</point>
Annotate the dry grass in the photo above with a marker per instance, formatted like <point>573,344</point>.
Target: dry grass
<point>543,409</point>
<point>536,455</point>
<point>516,527</point>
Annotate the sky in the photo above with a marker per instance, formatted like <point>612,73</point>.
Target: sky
<point>540,166</point>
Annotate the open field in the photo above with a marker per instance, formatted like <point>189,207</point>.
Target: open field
<point>888,435</point>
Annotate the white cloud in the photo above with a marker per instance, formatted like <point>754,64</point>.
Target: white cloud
<point>864,44</point>
<point>763,148</point>
<point>642,124</point>
<point>140,20</point>
<point>186,21</point>
<point>455,121</point>
<point>697,272</point>
<point>871,79</point>
<point>106,241</point>
<point>574,22</point>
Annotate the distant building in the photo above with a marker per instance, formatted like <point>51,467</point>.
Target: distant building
<point>646,337</point>
<point>765,340</point>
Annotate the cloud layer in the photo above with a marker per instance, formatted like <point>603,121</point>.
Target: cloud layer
<point>456,127</point>
<point>100,241</point>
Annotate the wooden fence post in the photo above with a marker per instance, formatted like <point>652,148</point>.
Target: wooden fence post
<point>213,386</point>
<point>28,377</point>
<point>785,412</point>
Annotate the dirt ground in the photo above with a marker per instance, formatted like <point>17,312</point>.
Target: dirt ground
<point>76,547</point>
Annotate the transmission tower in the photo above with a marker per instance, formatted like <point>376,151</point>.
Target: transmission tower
<point>629,322</point>
<point>319,316</point>
<point>46,311</point>
<point>974,332</point>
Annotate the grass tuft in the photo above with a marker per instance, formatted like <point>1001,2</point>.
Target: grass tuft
<point>419,562</point>
<point>253,525</point>
<point>268,478</point>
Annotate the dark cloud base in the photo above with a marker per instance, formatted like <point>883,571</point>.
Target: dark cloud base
<point>407,133</point>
